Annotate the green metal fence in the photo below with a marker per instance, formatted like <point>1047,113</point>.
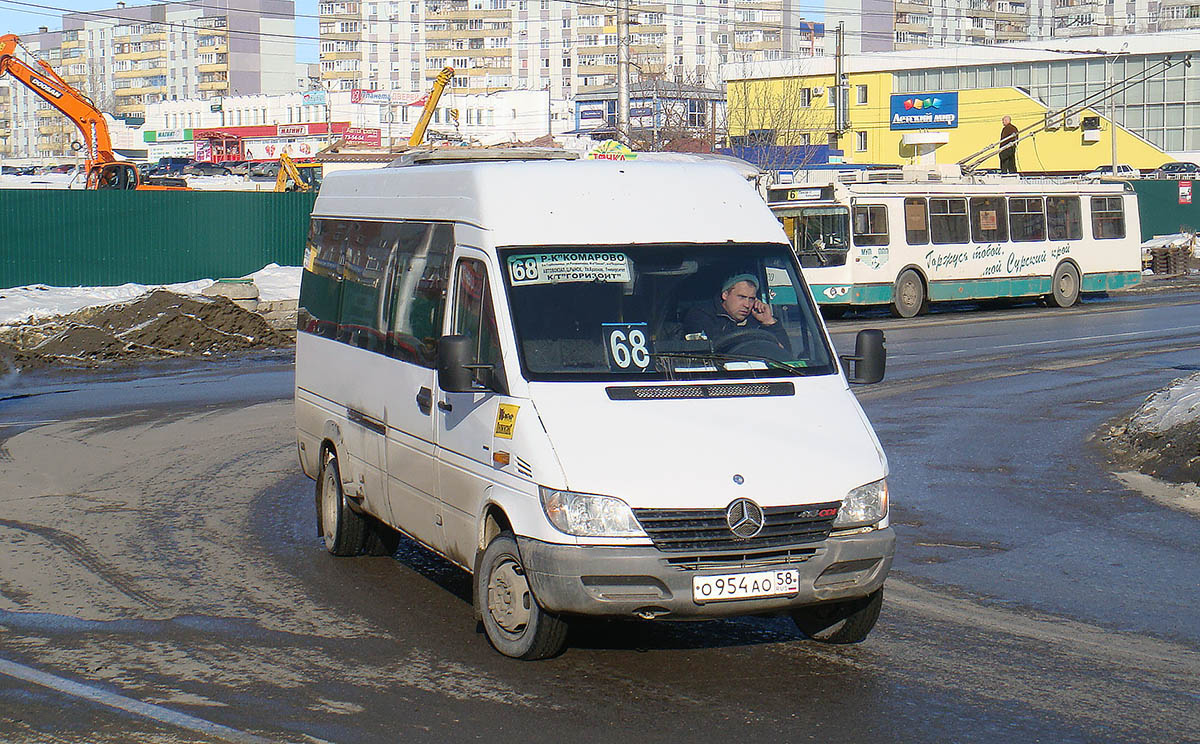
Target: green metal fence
<point>1161,212</point>
<point>96,238</point>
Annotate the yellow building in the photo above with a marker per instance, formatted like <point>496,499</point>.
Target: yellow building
<point>1157,117</point>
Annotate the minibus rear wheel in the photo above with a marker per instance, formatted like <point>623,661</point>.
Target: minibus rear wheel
<point>343,529</point>
<point>840,622</point>
<point>514,623</point>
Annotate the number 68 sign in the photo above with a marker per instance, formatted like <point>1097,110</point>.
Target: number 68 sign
<point>627,346</point>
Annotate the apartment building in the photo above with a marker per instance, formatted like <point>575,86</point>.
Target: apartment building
<point>895,25</point>
<point>124,58</point>
<point>563,47</point>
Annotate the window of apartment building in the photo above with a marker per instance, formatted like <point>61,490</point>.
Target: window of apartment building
<point>697,114</point>
<point>806,97</point>
<point>861,91</point>
<point>860,141</point>
<point>545,4</point>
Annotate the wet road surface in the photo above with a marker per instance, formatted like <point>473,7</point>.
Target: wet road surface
<point>159,567</point>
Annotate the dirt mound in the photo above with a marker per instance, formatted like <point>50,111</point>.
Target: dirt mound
<point>1161,438</point>
<point>158,325</point>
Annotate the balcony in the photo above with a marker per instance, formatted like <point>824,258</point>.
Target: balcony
<point>214,67</point>
<point>126,92</point>
<point>1175,24</point>
<point>133,107</point>
<point>215,85</point>
<point>331,56</point>
<point>141,72</point>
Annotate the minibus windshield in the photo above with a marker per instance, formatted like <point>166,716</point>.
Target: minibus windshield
<point>663,312</point>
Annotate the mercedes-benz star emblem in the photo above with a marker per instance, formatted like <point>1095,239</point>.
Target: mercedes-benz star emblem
<point>745,518</point>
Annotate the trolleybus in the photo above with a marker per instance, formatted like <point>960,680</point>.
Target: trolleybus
<point>907,244</point>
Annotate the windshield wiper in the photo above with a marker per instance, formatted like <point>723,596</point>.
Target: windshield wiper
<point>722,356</point>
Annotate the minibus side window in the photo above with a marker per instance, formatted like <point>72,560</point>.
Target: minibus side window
<point>870,225</point>
<point>1062,218</point>
<point>989,223</point>
<point>1026,219</point>
<point>420,272</point>
<point>475,318</point>
<point>916,221</point>
<point>1108,217</point>
<point>367,258</point>
<point>320,286</point>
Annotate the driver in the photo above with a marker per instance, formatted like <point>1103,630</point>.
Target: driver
<point>738,308</point>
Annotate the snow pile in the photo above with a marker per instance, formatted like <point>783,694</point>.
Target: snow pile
<point>1162,438</point>
<point>39,301</point>
<point>1174,406</point>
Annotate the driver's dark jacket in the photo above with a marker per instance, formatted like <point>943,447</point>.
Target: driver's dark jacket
<point>716,324</point>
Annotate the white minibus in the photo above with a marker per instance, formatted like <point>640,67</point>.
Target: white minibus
<point>602,388</point>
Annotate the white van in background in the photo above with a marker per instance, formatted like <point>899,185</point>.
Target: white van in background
<point>603,388</point>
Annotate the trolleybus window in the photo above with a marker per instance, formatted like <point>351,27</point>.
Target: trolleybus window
<point>916,221</point>
<point>989,223</point>
<point>819,235</point>
<point>1108,217</point>
<point>948,221</point>
<point>870,225</point>
<point>1063,219</point>
<point>1026,219</point>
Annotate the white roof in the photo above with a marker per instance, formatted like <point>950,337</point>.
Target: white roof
<point>1158,44</point>
<point>562,202</point>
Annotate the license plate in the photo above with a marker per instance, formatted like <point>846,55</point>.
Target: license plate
<point>745,585</point>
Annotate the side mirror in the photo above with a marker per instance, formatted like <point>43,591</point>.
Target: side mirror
<point>454,354</point>
<point>870,357</point>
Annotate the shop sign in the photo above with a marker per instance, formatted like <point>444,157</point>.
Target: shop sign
<point>370,97</point>
<point>292,130</point>
<point>924,111</point>
<point>591,113</point>
<point>363,136</point>
<point>637,113</point>
<point>611,150</point>
<point>313,98</point>
<point>168,135</point>
<point>1185,192</point>
<point>271,149</point>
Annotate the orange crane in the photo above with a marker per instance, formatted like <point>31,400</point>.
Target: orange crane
<point>104,171</point>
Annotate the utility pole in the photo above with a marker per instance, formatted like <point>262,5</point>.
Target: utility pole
<point>623,71</point>
<point>839,106</point>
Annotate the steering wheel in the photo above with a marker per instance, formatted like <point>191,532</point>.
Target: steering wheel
<point>752,342</point>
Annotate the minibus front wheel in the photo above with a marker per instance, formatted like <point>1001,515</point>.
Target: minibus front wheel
<point>514,623</point>
<point>847,621</point>
<point>343,529</point>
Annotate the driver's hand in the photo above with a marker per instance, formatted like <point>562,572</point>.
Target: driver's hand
<point>762,313</point>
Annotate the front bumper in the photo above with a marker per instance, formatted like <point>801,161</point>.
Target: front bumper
<point>638,581</point>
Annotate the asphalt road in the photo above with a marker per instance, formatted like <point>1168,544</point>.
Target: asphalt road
<point>161,579</point>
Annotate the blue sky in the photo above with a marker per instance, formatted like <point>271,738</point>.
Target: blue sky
<point>23,19</point>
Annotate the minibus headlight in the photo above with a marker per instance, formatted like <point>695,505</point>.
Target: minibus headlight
<point>863,505</point>
<point>589,515</point>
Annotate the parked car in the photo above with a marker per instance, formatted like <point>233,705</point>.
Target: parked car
<point>63,168</point>
<point>206,169</point>
<point>268,170</point>
<point>1178,169</point>
<point>11,170</point>
<point>171,166</point>
<point>237,167</point>
<point>1106,171</point>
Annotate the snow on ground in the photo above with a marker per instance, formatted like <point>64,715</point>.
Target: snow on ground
<point>1173,406</point>
<point>20,304</point>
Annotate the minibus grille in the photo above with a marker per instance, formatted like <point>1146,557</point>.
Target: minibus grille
<point>710,390</point>
<point>679,530</point>
<point>741,560</point>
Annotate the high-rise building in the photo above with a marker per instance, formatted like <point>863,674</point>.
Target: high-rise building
<point>566,47</point>
<point>126,57</point>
